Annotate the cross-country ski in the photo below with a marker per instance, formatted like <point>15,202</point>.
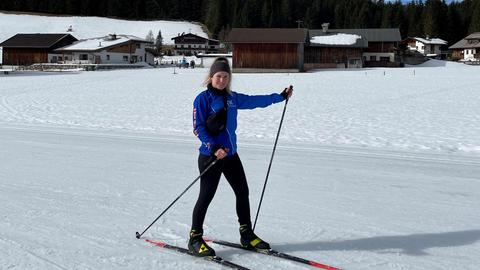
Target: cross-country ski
<point>274,253</point>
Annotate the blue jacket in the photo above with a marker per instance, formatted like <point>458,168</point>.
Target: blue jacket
<point>210,101</point>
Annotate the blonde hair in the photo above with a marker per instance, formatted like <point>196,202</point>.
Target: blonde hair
<point>208,79</point>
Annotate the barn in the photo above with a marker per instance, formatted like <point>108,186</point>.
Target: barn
<point>268,49</point>
<point>374,47</point>
<point>27,49</point>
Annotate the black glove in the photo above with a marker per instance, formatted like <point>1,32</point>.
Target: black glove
<point>214,149</point>
<point>286,91</point>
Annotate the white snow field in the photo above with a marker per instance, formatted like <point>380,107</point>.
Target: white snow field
<point>375,169</point>
<point>91,27</point>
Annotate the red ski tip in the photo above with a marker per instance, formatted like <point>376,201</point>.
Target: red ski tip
<point>156,243</point>
<point>323,266</point>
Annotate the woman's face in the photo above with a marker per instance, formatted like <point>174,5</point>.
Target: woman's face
<point>220,80</point>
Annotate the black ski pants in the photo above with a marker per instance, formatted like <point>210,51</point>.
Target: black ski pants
<point>232,169</point>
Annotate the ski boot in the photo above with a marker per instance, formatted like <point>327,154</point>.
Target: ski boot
<point>250,240</point>
<point>197,246</point>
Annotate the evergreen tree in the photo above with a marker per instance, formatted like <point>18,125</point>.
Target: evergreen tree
<point>216,17</point>
<point>362,19</point>
<point>453,24</point>
<point>475,22</point>
<point>152,9</point>
<point>72,7</point>
<point>414,20</point>
<point>432,16</point>
<point>159,42</point>
<point>399,20</point>
<point>285,14</point>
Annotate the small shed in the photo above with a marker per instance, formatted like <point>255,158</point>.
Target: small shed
<point>27,49</point>
<point>268,49</point>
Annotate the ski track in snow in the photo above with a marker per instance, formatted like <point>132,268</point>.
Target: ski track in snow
<point>340,222</point>
<point>362,179</point>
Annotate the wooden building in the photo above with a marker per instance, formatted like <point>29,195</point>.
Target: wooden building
<point>191,44</point>
<point>111,49</point>
<point>289,49</point>
<point>373,47</point>
<point>467,49</point>
<point>334,50</point>
<point>430,47</point>
<point>27,49</point>
<point>268,49</point>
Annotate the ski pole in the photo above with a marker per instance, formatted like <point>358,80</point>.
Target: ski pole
<point>271,159</point>
<point>138,235</point>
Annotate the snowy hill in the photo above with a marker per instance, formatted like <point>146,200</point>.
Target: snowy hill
<point>89,27</point>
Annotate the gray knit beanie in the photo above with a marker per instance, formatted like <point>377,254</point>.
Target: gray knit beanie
<point>219,65</point>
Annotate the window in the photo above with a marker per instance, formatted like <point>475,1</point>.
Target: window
<point>125,58</point>
<point>384,59</point>
<point>108,57</point>
<point>138,45</point>
<point>83,56</point>
<point>373,58</point>
<point>140,59</point>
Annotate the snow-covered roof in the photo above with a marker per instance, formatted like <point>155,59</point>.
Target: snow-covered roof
<point>432,41</point>
<point>336,39</point>
<point>101,43</point>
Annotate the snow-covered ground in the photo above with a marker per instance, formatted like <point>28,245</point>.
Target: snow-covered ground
<point>375,169</point>
<point>90,27</point>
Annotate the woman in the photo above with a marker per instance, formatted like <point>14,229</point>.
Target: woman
<point>214,123</point>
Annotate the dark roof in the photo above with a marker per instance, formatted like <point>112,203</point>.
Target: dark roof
<point>471,41</point>
<point>39,41</point>
<point>475,35</point>
<point>370,34</point>
<point>267,35</point>
<point>191,35</point>
<point>187,35</point>
<point>464,44</point>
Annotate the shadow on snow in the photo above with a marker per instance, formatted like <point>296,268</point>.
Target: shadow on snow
<point>414,244</point>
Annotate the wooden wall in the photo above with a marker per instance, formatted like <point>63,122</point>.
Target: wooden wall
<point>24,57</point>
<point>129,47</point>
<point>266,55</point>
<point>457,55</point>
<point>381,47</point>
<point>331,54</point>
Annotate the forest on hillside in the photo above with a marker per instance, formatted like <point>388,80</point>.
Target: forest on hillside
<point>434,18</point>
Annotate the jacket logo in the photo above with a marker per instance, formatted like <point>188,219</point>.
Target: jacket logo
<point>230,103</point>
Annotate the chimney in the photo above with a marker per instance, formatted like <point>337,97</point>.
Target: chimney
<point>99,44</point>
<point>325,27</point>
